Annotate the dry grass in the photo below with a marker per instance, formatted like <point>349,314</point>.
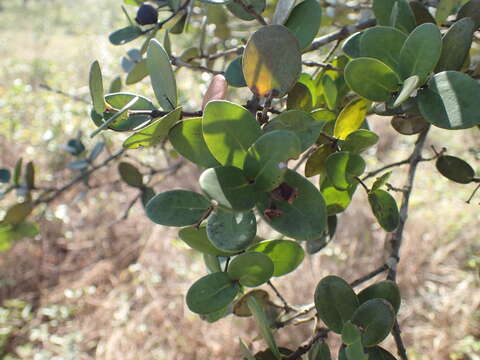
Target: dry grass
<point>126,283</point>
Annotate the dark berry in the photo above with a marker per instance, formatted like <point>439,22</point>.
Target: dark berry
<point>146,15</point>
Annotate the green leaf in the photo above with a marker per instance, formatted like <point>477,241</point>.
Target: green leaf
<point>360,140</point>
<point>11,233</point>
<point>421,13</point>
<point>212,263</point>
<point>305,218</point>
<point>239,11</point>
<point>5,176</point>
<point>336,200</point>
<point>229,130</point>
<point>211,293</point>
<point>197,239</point>
<point>378,353</point>
<point>405,20</point>
<point>147,194</point>
<point>315,164</point>
<point>130,174</point>
<point>376,317</point>
<point>444,9</point>
<point>177,208</point>
<point>386,290</point>
<point>30,175</point>
<point>384,208</point>
<point>304,22</point>
<point>228,186</point>
<point>314,246</point>
<point>17,213</point>
<point>351,118</point>
<point>154,133</point>
<point>451,101</point>
<point>17,171</point>
<point>161,75</point>
<point>123,113</point>
<point>355,351</point>
<point>383,43</point>
<point>232,232</point>
<point>127,122</point>
<point>263,160</point>
<point>304,125</point>
<point>125,35</point>
<point>272,61</point>
<point>115,85</point>
<point>241,308</point>
<point>300,98</point>
<point>282,11</point>
<point>96,88</point>
<point>455,169</point>
<point>381,181</point>
<point>234,73</point>
<point>286,255</point>
<point>350,333</point>
<point>351,46</point>
<point>319,351</point>
<point>421,52</point>
<point>342,168</point>
<point>335,302</point>
<point>138,73</point>
<point>262,323</point>
<point>187,139</point>
<point>330,92</point>
<point>470,9</point>
<point>246,351</point>
<point>371,79</point>
<point>251,269</point>
<point>456,44</point>
<point>409,86</point>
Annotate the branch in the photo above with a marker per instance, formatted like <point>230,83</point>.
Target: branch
<point>369,276</point>
<point>321,334</point>
<point>180,63</point>
<point>286,305</point>
<point>341,34</point>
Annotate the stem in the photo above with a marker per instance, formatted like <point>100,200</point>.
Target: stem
<point>321,334</point>
<point>286,305</point>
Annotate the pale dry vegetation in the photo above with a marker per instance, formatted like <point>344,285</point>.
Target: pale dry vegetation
<point>95,288</point>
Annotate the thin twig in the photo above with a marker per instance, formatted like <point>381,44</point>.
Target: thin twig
<point>369,276</point>
<point>321,334</point>
<point>180,63</point>
<point>286,305</point>
<point>60,92</point>
<point>321,65</point>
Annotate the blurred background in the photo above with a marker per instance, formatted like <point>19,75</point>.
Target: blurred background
<point>95,284</point>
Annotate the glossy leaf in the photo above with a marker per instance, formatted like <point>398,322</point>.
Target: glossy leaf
<point>421,52</point>
<point>371,79</point>
<point>130,174</point>
<point>456,45</point>
<point>262,322</point>
<point>115,85</point>
<point>304,219</point>
<point>211,293</point>
<point>138,73</point>
<point>378,353</point>
<point>386,290</point>
<point>409,125</point>
<point>336,200</point>
<point>383,43</point>
<point>251,269</point>
<point>381,181</point>
<point>314,246</point>
<point>304,125</point>
<point>315,164</point>
<point>177,208</point>
<point>351,46</point>
<point>17,171</point>
<point>228,186</point>
<point>271,61</point>
<point>147,194</point>
<point>246,351</point>
<point>300,98</point>
<point>451,101</point>
<point>470,9</point>
<point>234,73</point>
<point>229,130</point>
<point>161,75</point>
<point>421,13</point>
<point>335,302</point>
<point>376,317</point>
<point>409,86</point>
<point>96,88</point>
<point>197,239</point>
<point>385,209</point>
<point>187,139</point>
<point>405,20</point>
<point>455,169</point>
<point>238,10</point>
<point>286,255</point>
<point>282,11</point>
<point>304,22</point>
<point>360,140</point>
<point>30,175</point>
<point>319,351</point>
<point>231,232</point>
<point>263,160</point>
<point>125,35</point>
<point>341,168</point>
<point>17,213</point>
<point>351,118</point>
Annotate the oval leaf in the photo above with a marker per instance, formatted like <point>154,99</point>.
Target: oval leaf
<point>251,269</point>
<point>376,317</point>
<point>304,21</point>
<point>385,209</point>
<point>197,239</point>
<point>231,232</point>
<point>455,169</point>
